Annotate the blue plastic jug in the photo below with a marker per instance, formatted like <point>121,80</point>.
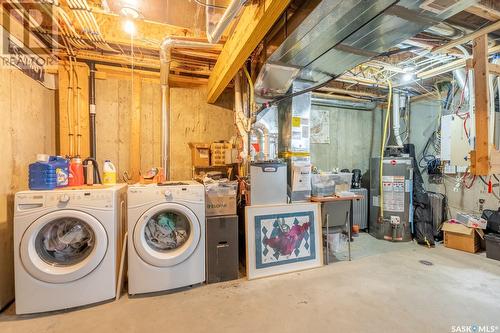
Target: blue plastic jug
<point>61,166</point>
<point>47,173</point>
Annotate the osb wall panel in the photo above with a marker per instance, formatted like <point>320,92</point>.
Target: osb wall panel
<point>150,125</point>
<point>113,105</point>
<point>193,120</point>
<point>27,127</point>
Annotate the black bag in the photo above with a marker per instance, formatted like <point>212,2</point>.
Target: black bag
<point>493,218</point>
<point>422,216</point>
<point>424,228</point>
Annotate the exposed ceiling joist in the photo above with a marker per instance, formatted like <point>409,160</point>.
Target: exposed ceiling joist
<point>149,34</point>
<point>467,38</point>
<point>150,63</point>
<point>487,13</point>
<point>448,67</point>
<point>125,73</point>
<point>254,23</point>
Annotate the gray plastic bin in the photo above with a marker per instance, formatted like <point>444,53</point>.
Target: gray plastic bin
<point>492,246</point>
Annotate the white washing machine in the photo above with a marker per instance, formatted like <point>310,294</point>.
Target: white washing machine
<point>166,236</point>
<point>67,245</point>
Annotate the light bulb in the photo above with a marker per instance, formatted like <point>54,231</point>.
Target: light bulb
<point>407,77</point>
<point>129,27</point>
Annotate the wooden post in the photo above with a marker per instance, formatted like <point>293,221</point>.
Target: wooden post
<point>480,156</point>
<point>135,131</point>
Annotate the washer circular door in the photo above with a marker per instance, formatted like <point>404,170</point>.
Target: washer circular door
<point>63,246</point>
<point>166,234</point>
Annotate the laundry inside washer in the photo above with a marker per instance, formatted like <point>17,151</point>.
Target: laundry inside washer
<point>167,231</point>
<point>64,242</point>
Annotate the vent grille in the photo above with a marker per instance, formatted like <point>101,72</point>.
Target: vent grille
<point>438,6</point>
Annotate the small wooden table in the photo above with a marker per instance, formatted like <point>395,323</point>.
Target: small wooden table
<point>324,200</point>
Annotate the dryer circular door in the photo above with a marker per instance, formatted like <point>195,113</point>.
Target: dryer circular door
<point>63,246</point>
<point>166,234</point>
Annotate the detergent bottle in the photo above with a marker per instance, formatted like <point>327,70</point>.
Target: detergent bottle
<point>76,172</point>
<point>61,167</point>
<point>42,174</point>
<point>109,173</point>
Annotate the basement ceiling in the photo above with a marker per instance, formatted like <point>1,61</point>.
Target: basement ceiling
<point>171,12</point>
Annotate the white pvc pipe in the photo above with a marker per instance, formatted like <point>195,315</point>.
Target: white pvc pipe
<point>491,120</point>
<point>396,118</point>
<point>239,115</point>
<point>165,60</point>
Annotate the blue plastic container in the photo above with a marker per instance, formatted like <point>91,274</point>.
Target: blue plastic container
<point>42,176</point>
<point>61,166</point>
<point>48,175</point>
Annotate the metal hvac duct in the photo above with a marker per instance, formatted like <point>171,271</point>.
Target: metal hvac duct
<point>347,33</point>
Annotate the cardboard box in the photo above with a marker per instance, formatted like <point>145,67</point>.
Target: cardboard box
<point>221,205</point>
<point>200,154</point>
<point>220,199</point>
<point>221,153</point>
<point>459,237</point>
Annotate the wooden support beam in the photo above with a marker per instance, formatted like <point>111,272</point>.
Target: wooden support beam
<point>459,41</point>
<point>480,156</point>
<point>494,69</point>
<point>487,13</point>
<point>135,131</point>
<point>255,21</point>
<point>154,77</point>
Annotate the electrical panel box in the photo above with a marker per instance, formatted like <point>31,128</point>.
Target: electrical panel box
<point>454,143</point>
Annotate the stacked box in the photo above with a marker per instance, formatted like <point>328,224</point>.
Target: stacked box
<point>200,154</point>
<point>221,153</point>
<point>220,198</point>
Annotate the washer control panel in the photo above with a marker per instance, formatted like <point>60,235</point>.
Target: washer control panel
<point>69,198</point>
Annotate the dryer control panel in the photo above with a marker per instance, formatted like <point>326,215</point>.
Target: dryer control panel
<point>167,193</point>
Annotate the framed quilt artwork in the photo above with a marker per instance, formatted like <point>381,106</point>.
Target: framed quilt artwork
<point>282,238</point>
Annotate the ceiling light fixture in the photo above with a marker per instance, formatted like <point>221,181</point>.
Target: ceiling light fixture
<point>129,27</point>
<point>130,9</point>
<point>408,77</point>
<point>409,73</point>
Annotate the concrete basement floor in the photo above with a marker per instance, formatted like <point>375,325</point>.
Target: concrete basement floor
<point>389,291</point>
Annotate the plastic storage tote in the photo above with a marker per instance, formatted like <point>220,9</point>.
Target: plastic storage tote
<point>343,181</point>
<point>322,185</point>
